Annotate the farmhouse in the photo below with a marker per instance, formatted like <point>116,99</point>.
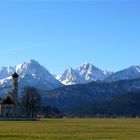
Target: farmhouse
<point>9,105</point>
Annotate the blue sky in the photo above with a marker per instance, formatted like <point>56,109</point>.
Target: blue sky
<point>59,34</point>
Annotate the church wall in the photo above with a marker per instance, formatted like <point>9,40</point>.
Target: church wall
<point>7,110</point>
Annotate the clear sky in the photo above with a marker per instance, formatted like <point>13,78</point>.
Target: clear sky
<point>66,33</point>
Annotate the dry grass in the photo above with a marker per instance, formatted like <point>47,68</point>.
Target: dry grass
<point>72,129</point>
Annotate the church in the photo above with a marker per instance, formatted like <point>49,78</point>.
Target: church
<point>9,105</point>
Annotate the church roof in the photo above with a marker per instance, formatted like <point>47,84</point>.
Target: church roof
<point>7,101</point>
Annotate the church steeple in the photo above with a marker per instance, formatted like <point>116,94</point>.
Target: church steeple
<point>15,91</point>
<point>15,83</point>
<point>15,75</point>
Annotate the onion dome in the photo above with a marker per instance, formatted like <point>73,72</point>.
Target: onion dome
<point>15,75</point>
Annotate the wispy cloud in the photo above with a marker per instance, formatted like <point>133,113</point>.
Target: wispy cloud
<point>18,49</point>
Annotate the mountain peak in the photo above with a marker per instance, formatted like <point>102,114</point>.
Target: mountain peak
<point>37,75</point>
<point>86,64</point>
<point>32,61</point>
<point>69,69</point>
<point>137,67</point>
<point>128,73</point>
<point>87,72</point>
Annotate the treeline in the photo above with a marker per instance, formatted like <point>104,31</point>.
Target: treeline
<point>31,105</point>
<point>126,105</point>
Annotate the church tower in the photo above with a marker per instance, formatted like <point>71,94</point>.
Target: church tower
<point>15,92</point>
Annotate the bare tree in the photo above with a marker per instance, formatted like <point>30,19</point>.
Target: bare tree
<point>30,101</point>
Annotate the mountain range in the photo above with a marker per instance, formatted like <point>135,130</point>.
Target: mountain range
<point>72,96</point>
<point>30,73</point>
<point>128,73</point>
<point>33,74</point>
<point>87,88</point>
<point>126,105</point>
<point>86,73</point>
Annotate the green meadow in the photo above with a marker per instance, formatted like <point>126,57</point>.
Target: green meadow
<point>71,129</point>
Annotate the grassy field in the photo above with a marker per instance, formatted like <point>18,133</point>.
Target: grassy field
<point>72,129</point>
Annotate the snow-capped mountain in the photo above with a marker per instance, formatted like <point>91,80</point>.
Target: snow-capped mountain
<point>91,73</point>
<point>37,75</point>
<point>33,74</point>
<point>129,73</point>
<point>30,73</point>
<point>6,72</point>
<point>84,74</point>
<point>70,77</point>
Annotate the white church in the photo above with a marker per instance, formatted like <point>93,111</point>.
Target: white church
<point>9,105</point>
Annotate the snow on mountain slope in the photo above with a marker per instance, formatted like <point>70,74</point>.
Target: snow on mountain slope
<point>129,73</point>
<point>70,77</point>
<point>6,72</point>
<point>30,73</point>
<point>36,75</point>
<point>84,74</point>
<point>37,72</point>
<point>91,73</point>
